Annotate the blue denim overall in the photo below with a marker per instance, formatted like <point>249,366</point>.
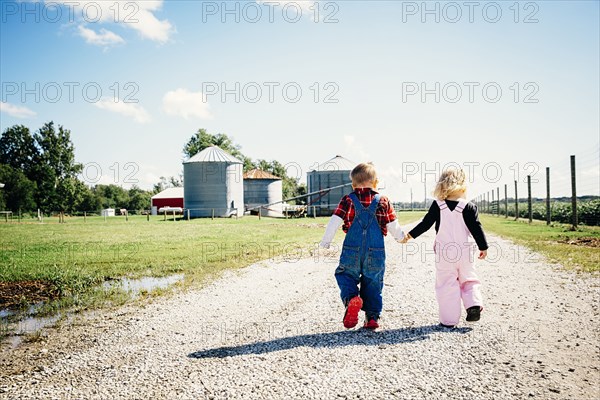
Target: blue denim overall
<point>363,259</point>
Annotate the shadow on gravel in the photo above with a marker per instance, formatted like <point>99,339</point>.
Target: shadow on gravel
<point>361,337</point>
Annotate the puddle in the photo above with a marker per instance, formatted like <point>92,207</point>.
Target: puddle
<point>30,324</point>
<point>26,326</point>
<point>135,286</point>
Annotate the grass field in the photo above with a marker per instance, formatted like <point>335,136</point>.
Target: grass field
<point>67,262</point>
<point>574,249</point>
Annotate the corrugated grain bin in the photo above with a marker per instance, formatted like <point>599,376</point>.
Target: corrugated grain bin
<point>213,183</point>
<point>260,188</point>
<point>331,173</point>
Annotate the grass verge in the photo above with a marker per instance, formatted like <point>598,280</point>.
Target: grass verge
<point>63,266</point>
<point>574,249</point>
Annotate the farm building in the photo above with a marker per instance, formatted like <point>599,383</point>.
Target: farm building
<point>213,184</point>
<point>331,173</point>
<point>170,197</point>
<point>261,187</point>
<point>108,212</point>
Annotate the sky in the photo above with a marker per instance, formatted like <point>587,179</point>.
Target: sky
<point>501,89</point>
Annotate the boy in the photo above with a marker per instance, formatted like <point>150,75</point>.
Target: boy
<point>366,217</point>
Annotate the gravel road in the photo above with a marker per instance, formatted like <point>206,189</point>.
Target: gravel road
<point>273,331</point>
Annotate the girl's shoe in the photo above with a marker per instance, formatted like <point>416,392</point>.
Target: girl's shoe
<point>371,323</point>
<point>473,313</point>
<point>352,309</point>
<point>447,326</point>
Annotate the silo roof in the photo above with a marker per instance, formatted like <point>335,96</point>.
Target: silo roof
<point>213,154</point>
<point>337,163</point>
<point>260,174</point>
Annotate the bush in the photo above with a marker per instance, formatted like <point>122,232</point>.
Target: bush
<point>588,212</point>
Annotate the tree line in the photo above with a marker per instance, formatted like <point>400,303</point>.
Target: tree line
<point>39,171</point>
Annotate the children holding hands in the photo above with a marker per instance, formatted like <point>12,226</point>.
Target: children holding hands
<point>366,217</point>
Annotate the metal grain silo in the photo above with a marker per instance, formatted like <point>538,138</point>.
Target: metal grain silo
<point>213,184</point>
<point>260,188</point>
<point>331,173</point>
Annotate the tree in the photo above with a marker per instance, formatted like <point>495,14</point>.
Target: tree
<point>112,196</point>
<point>139,199</point>
<point>18,191</point>
<point>89,201</point>
<point>165,183</point>
<point>54,169</point>
<point>202,139</point>
<point>18,149</point>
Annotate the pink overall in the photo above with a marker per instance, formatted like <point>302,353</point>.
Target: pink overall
<point>455,273</point>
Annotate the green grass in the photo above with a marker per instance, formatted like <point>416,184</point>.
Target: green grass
<point>550,240</point>
<point>77,256</point>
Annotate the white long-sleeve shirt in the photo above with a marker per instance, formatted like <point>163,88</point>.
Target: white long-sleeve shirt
<point>336,222</point>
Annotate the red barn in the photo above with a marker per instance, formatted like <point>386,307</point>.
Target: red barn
<point>171,197</point>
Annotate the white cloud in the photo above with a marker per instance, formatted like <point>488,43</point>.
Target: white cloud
<point>354,150</point>
<point>104,38</point>
<point>136,15</point>
<point>149,26</point>
<point>133,110</point>
<point>16,111</point>
<point>186,104</point>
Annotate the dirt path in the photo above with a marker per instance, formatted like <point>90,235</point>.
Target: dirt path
<point>273,330</point>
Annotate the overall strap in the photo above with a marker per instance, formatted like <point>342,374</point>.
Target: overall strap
<point>460,206</point>
<point>358,207</point>
<point>374,203</point>
<point>441,204</point>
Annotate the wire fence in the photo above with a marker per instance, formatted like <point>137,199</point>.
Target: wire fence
<point>569,192</point>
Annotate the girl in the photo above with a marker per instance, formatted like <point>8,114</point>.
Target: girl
<point>457,224</point>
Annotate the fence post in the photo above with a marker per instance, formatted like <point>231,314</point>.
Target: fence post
<point>126,215</point>
<point>259,213</point>
<point>492,209</point>
<point>505,200</point>
<point>188,214</point>
<point>529,212</point>
<point>213,214</point>
<point>164,215</point>
<point>498,197</point>
<point>573,193</point>
<point>548,216</point>
<point>84,216</point>
<point>314,211</point>
<point>516,203</point>
<point>148,216</point>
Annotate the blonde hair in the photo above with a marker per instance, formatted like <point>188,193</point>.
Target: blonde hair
<point>363,173</point>
<point>451,181</point>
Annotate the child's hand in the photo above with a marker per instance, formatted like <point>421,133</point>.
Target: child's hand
<point>482,254</point>
<point>406,238</point>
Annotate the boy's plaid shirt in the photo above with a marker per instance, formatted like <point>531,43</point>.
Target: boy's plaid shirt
<point>385,212</point>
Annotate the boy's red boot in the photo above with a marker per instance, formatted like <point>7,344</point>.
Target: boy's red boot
<point>371,324</point>
<point>352,309</point>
